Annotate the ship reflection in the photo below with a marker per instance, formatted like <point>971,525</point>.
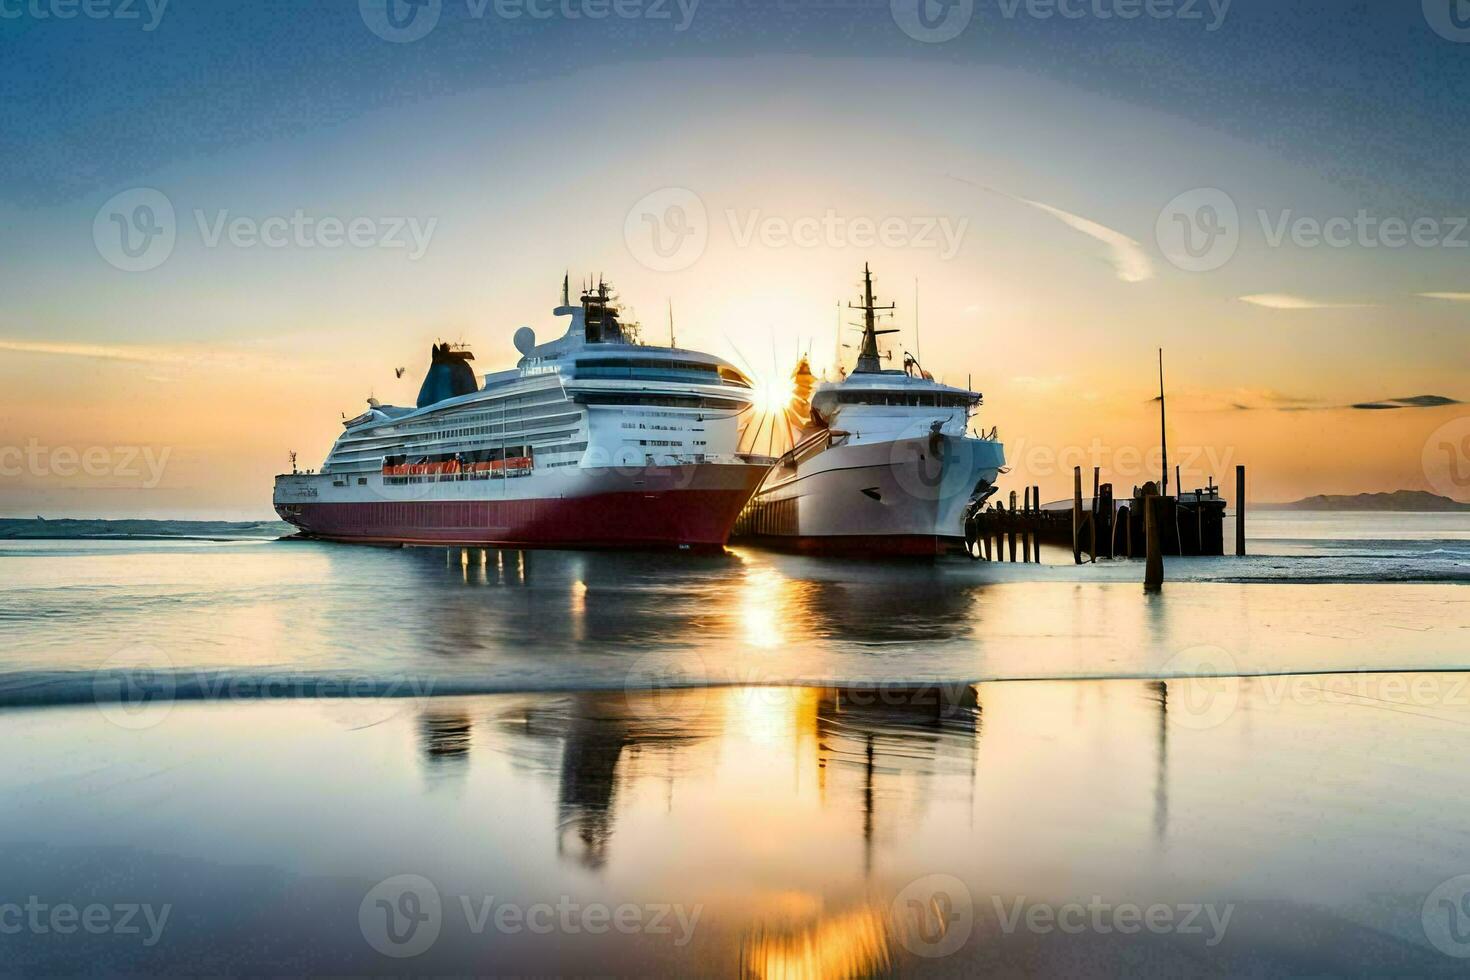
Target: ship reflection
<point>473,601</point>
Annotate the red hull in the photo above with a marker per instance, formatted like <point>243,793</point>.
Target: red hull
<point>656,519</point>
<point>861,545</point>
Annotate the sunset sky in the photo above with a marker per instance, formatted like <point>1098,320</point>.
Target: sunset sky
<point>1030,174</point>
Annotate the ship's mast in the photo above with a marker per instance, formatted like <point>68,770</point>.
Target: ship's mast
<point>869,360</point>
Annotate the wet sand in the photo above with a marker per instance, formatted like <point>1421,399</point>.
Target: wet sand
<point>1261,827</point>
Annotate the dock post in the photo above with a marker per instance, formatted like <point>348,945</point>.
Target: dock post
<point>1153,575</point>
<point>1026,529</point>
<point>1011,526</point>
<point>1092,519</point>
<point>1036,528</point>
<point>1076,515</point>
<point>1240,511</point>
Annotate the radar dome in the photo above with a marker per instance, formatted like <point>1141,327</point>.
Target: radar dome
<point>525,340</point>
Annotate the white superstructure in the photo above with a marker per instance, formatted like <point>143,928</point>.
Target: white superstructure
<point>886,467</point>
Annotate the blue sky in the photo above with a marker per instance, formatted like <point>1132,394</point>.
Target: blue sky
<point>1051,149</point>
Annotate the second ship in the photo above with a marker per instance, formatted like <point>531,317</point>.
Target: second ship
<point>885,466</point>
<point>592,440</point>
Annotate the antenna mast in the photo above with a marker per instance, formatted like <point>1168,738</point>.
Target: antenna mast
<point>1163,427</point>
<point>869,361</point>
<point>918,348</point>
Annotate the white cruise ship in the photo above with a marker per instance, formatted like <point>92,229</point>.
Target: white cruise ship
<point>592,440</point>
<point>886,466</point>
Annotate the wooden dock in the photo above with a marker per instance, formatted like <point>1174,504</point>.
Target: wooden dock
<point>1098,526</point>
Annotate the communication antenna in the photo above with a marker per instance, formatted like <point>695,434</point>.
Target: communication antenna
<point>293,460</point>
<point>918,348</point>
<point>671,322</point>
<point>1163,427</point>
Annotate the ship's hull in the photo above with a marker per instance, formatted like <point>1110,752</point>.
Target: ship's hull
<point>905,497</point>
<point>680,506</point>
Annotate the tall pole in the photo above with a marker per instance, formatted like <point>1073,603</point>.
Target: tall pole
<point>1240,511</point>
<point>918,348</point>
<point>1163,427</point>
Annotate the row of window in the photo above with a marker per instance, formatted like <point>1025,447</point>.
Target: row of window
<point>924,399</point>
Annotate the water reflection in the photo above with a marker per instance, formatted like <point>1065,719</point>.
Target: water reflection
<point>468,603</point>
<point>444,741</point>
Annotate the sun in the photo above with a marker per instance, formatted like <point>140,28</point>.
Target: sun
<point>773,395</point>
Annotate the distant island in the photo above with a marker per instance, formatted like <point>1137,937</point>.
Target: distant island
<point>1399,500</point>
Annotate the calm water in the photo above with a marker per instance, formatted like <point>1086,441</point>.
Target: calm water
<point>783,832</point>
<point>254,741</point>
<point>191,618</point>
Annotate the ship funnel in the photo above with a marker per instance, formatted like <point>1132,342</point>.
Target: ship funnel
<point>449,375</point>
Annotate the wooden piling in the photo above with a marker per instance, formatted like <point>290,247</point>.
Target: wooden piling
<point>1092,519</point>
<point>1036,499</point>
<point>1077,515</point>
<point>1153,575</point>
<point>1026,529</point>
<point>1240,511</point>
<point>1011,534</point>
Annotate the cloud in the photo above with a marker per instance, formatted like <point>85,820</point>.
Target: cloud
<point>139,354</point>
<point>1128,258</point>
<point>1412,401</point>
<point>1282,301</point>
<point>1450,297</point>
